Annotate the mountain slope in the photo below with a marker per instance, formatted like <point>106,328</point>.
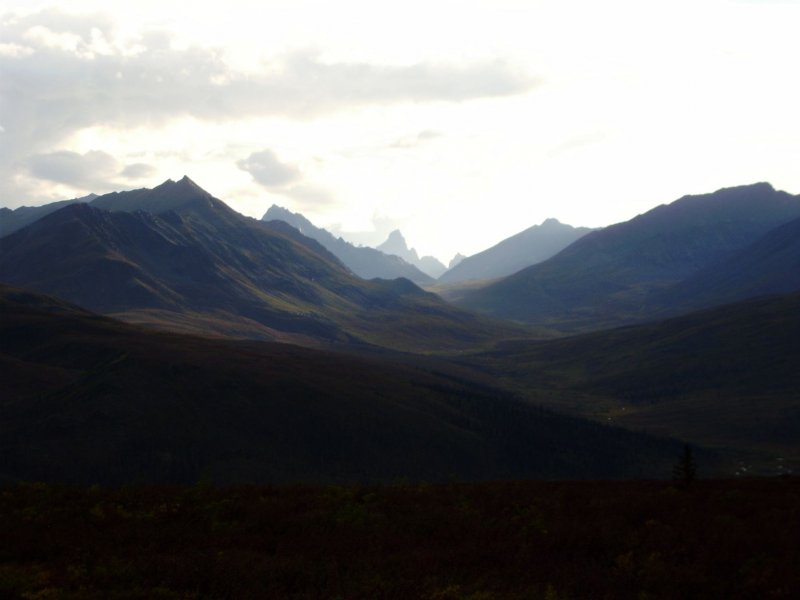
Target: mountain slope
<point>88,399</point>
<point>724,377</point>
<point>604,278</point>
<point>526,248</point>
<point>365,262</point>
<point>196,265</point>
<point>396,245</point>
<point>770,265</point>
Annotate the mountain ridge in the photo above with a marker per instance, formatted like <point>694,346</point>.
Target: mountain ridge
<point>528,247</point>
<point>198,261</point>
<point>605,278</point>
<point>367,263</point>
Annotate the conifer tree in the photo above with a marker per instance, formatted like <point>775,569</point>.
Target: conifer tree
<point>685,469</point>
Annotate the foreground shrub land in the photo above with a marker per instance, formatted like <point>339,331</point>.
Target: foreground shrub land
<point>709,539</point>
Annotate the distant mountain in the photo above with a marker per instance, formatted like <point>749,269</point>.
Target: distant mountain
<point>364,262</point>
<point>526,248</point>
<point>194,264</point>
<point>456,260</point>
<point>396,245</point>
<point>91,400</point>
<point>13,220</point>
<point>606,277</point>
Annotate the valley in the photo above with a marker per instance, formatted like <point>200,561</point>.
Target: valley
<point>379,379</point>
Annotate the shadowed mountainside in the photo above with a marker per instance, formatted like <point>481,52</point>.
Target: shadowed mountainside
<point>88,399</point>
<point>194,264</point>
<point>526,248</point>
<point>770,265</point>
<point>368,263</point>
<point>605,278</point>
<point>725,377</point>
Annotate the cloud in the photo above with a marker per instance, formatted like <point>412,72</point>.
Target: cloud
<point>88,171</point>
<point>62,73</point>
<point>278,177</point>
<point>138,171</point>
<point>416,140</point>
<point>267,170</point>
<point>93,171</point>
<point>307,196</point>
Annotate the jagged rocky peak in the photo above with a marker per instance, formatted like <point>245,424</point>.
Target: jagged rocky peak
<point>170,195</point>
<point>396,244</point>
<point>184,187</point>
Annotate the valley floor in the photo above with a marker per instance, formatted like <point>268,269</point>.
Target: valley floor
<point>711,539</point>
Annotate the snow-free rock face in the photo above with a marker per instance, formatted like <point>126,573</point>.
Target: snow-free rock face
<point>396,245</point>
<point>529,247</point>
<point>368,263</point>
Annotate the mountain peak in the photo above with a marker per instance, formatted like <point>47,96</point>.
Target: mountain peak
<point>550,222</point>
<point>397,237</point>
<point>184,186</point>
<point>396,244</point>
<point>277,213</point>
<point>170,195</point>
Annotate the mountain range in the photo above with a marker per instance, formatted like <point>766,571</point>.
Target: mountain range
<point>277,362</point>
<point>622,273</point>
<point>365,262</point>
<point>526,248</point>
<point>183,259</point>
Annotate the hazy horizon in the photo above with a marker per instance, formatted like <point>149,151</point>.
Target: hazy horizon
<point>367,118</point>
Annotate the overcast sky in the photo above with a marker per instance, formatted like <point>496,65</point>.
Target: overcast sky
<point>461,123</point>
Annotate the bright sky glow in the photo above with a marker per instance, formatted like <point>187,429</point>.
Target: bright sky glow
<point>459,122</point>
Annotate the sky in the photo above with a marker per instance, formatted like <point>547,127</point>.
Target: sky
<point>460,123</point>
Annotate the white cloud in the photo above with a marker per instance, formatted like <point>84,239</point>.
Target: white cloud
<point>61,73</point>
<point>90,171</point>
<point>268,170</point>
<point>138,171</point>
<point>413,141</point>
